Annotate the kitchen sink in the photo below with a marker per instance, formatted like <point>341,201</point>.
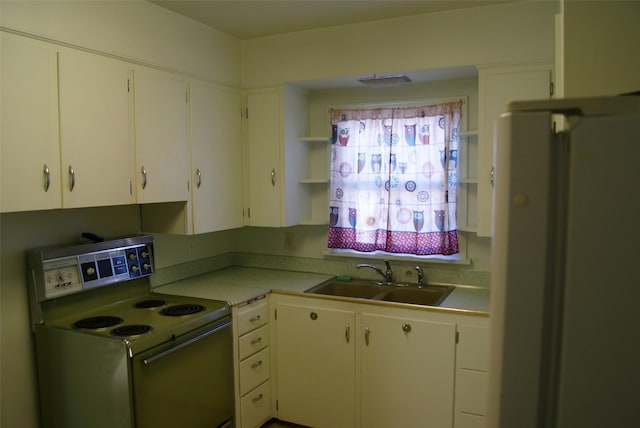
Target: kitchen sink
<point>428,295</point>
<point>362,289</point>
<point>431,295</point>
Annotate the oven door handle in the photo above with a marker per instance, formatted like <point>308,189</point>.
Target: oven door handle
<point>186,343</point>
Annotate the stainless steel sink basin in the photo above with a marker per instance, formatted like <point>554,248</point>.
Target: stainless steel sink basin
<point>430,295</point>
<point>362,289</point>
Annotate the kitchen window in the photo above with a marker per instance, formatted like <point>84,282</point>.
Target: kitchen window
<point>393,174</point>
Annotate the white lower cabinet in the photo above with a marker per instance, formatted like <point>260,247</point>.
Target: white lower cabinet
<point>472,366</point>
<point>344,364</point>
<point>407,368</point>
<point>316,365</point>
<point>252,355</point>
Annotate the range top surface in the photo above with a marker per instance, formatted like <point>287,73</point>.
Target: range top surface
<point>145,321</point>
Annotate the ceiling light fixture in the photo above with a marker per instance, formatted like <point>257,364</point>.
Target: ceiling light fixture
<point>386,81</point>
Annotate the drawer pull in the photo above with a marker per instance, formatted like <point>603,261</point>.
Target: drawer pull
<point>254,319</point>
<point>258,398</point>
<point>256,364</point>
<point>256,341</point>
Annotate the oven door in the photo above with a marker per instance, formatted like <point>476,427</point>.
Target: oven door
<point>188,383</point>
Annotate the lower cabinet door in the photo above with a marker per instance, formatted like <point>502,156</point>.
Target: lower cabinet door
<point>316,366</point>
<point>407,372</point>
<point>256,406</point>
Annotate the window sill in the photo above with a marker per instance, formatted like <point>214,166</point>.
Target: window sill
<point>456,259</point>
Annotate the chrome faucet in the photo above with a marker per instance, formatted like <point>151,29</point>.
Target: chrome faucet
<point>388,275</point>
<point>420,276</point>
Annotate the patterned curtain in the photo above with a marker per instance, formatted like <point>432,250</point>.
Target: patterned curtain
<point>393,179</point>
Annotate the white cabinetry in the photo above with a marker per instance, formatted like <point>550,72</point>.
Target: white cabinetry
<point>276,119</point>
<point>316,365</point>
<point>65,128</point>
<point>216,158</point>
<point>30,152</point>
<point>315,184</point>
<point>252,355</point>
<point>472,367</point>
<point>497,88</point>
<point>161,137</point>
<point>371,365</point>
<point>467,204</point>
<point>96,150</point>
<point>407,371</point>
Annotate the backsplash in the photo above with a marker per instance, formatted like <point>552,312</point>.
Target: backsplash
<point>403,271</point>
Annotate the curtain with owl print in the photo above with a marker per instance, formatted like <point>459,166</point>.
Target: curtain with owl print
<point>393,179</point>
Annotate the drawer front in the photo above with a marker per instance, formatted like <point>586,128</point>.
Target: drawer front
<point>471,392</point>
<point>253,342</point>
<point>254,370</point>
<point>253,316</point>
<point>464,420</point>
<point>256,406</point>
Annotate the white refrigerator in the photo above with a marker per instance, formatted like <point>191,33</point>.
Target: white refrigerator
<point>565,286</point>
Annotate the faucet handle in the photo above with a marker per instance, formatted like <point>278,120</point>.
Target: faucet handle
<point>389,273</point>
<point>420,275</point>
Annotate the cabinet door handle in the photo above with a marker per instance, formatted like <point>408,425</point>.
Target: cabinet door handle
<point>258,398</point>
<point>273,177</point>
<point>47,177</point>
<point>254,319</point>
<point>492,175</point>
<point>72,178</point>
<point>367,332</point>
<point>143,171</point>
<point>256,364</point>
<point>256,341</point>
<point>199,177</point>
<point>347,333</point>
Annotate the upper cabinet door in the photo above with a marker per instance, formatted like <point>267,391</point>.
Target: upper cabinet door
<point>96,151</point>
<point>497,88</point>
<point>161,137</point>
<point>30,155</point>
<point>216,158</point>
<point>265,175</point>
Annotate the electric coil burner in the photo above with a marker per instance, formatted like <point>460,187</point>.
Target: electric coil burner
<point>131,330</point>
<point>180,310</point>
<point>105,341</point>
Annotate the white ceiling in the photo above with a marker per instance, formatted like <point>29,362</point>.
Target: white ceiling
<point>246,19</point>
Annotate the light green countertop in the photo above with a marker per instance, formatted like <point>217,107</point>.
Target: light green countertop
<point>238,284</point>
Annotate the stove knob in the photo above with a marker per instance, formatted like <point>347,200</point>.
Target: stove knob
<point>132,256</point>
<point>134,268</point>
<point>90,271</point>
<point>146,266</point>
<point>144,254</point>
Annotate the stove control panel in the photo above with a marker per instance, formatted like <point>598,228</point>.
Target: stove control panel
<point>94,265</point>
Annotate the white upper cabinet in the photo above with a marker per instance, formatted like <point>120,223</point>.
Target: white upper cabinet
<point>30,154</point>
<point>216,158</point>
<point>497,88</point>
<point>96,153</point>
<point>276,161</point>
<point>161,137</point>
<point>264,170</point>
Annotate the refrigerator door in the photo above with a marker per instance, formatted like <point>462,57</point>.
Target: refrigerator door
<point>599,380</point>
<point>523,259</point>
<point>565,339</point>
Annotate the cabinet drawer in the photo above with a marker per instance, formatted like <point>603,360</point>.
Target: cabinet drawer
<point>253,342</point>
<point>474,348</point>
<point>253,316</point>
<point>471,392</point>
<point>256,406</point>
<point>254,370</point>
<point>464,420</point>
